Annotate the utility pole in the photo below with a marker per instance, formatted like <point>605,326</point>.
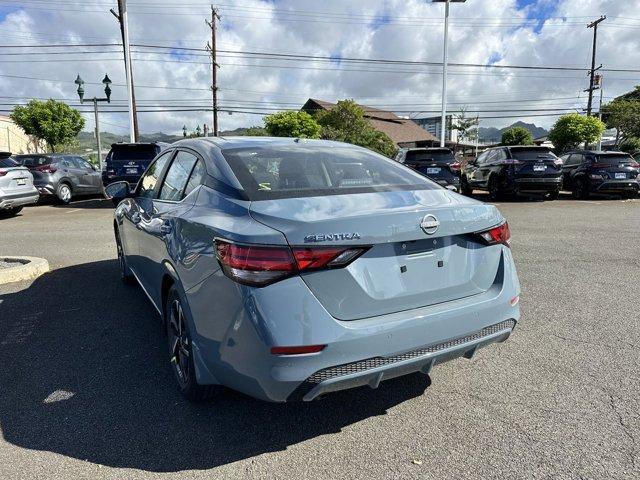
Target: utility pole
<point>124,30</point>
<point>211,47</point>
<point>600,84</point>
<point>592,72</point>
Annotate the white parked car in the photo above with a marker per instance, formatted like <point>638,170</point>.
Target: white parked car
<point>16,186</point>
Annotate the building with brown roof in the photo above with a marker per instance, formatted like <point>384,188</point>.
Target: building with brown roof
<point>403,132</point>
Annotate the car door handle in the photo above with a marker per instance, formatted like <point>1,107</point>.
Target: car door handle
<point>135,218</point>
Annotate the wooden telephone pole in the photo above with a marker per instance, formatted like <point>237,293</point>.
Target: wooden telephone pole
<point>592,72</point>
<point>211,47</point>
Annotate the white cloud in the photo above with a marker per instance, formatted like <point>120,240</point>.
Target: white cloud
<point>480,30</point>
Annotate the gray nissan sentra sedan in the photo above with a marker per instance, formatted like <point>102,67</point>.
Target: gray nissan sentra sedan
<point>289,268</point>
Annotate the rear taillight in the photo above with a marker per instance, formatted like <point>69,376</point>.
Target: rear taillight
<point>46,169</point>
<point>512,161</point>
<point>298,350</point>
<point>260,265</point>
<point>600,165</point>
<point>496,235</point>
<point>3,172</point>
<point>455,166</point>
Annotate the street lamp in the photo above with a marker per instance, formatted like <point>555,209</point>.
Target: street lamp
<point>106,81</point>
<point>443,119</point>
<point>184,131</point>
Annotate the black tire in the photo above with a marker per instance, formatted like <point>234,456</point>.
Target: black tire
<point>465,188</point>
<point>493,189</point>
<point>580,189</point>
<point>554,195</point>
<point>180,353</point>
<point>125,273</point>
<point>10,212</point>
<point>64,193</point>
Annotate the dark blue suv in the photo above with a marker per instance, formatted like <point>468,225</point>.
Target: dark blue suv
<point>128,161</point>
<point>591,171</point>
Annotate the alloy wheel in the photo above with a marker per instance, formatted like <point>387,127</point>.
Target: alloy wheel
<point>65,193</point>
<point>179,349</point>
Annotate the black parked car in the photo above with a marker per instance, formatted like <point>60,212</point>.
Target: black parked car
<point>60,175</point>
<point>128,161</point>
<point>521,170</point>
<point>589,171</point>
<point>439,164</point>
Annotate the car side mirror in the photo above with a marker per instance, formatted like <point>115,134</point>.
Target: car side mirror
<point>94,167</point>
<point>118,191</point>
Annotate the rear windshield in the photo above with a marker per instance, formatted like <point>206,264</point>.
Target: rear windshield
<point>34,161</point>
<point>615,159</point>
<point>8,163</point>
<point>127,153</point>
<point>436,156</point>
<point>532,154</point>
<point>307,171</point>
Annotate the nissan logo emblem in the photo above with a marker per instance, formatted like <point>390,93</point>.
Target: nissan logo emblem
<point>429,224</point>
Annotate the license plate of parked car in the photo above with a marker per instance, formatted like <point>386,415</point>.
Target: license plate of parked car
<point>621,175</point>
<point>132,171</point>
<point>21,181</point>
<point>433,170</point>
<point>539,168</point>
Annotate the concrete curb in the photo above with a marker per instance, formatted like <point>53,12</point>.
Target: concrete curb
<point>31,267</point>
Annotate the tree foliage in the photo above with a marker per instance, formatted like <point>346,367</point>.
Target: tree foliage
<point>630,145</point>
<point>571,130</point>
<point>346,123</point>
<point>517,136</point>
<point>292,124</point>
<point>624,116</point>
<point>467,127</point>
<point>54,122</point>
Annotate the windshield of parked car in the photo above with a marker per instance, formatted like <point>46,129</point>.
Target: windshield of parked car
<point>429,156</point>
<point>129,153</point>
<point>34,161</point>
<point>524,154</point>
<point>8,163</point>
<point>615,158</point>
<point>306,171</point>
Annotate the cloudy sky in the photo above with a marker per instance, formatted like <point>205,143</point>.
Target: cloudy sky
<point>173,72</point>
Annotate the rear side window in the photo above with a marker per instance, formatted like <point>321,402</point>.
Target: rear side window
<point>34,161</point>
<point>532,154</point>
<point>148,182</point>
<point>614,159</point>
<point>196,179</point>
<point>8,163</point>
<point>312,170</point>
<point>177,176</point>
<point>430,156</point>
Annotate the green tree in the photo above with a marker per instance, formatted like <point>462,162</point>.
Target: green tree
<point>624,116</point>
<point>255,132</point>
<point>346,123</point>
<point>517,136</point>
<point>571,130</point>
<point>630,145</point>
<point>292,124</point>
<point>467,127</point>
<point>54,122</point>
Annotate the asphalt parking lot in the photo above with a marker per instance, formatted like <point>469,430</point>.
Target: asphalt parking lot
<point>87,392</point>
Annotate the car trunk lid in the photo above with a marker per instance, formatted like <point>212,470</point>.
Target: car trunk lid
<point>405,267</point>
<point>536,163</point>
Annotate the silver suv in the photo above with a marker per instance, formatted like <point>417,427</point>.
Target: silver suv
<point>16,186</point>
<point>62,176</point>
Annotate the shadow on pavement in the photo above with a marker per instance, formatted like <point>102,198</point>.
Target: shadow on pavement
<point>85,375</point>
<point>88,203</point>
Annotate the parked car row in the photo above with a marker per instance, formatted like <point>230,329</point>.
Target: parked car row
<point>24,179</point>
<point>529,171</point>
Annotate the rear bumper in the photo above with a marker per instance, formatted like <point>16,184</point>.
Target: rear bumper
<point>358,352</point>
<point>18,199</point>
<point>45,188</point>
<point>538,184</point>
<point>617,186</point>
<point>374,370</point>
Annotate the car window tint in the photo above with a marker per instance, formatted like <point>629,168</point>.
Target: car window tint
<point>149,180</point>
<point>196,178</point>
<point>8,163</point>
<point>176,178</point>
<point>312,170</point>
<point>614,158</point>
<point>529,154</point>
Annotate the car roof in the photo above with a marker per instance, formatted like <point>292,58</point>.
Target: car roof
<point>224,143</point>
<point>429,149</point>
<point>600,152</point>
<point>135,144</point>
